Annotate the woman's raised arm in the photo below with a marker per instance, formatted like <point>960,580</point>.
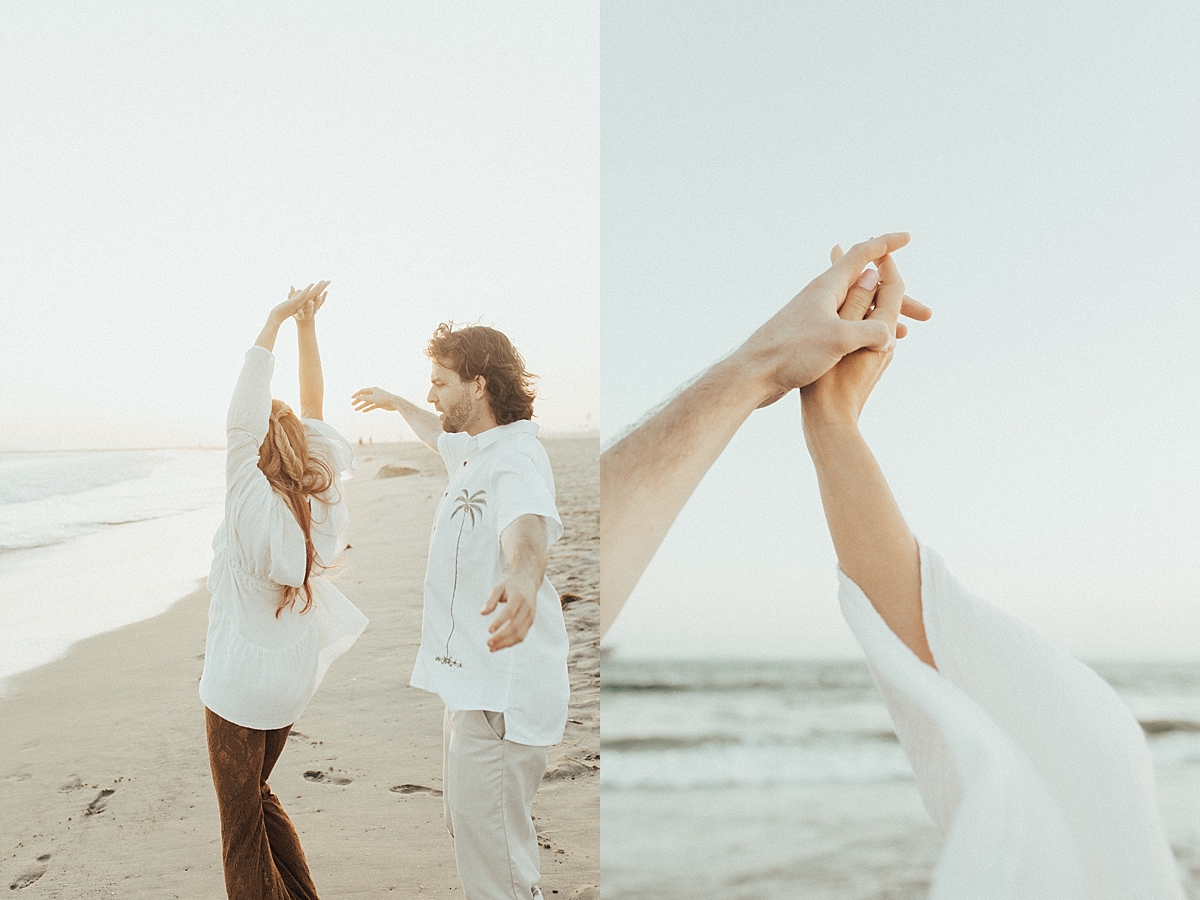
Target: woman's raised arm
<point>312,379</point>
<point>874,546</point>
<point>295,302</point>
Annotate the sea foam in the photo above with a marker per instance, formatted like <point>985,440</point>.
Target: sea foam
<point>90,542</point>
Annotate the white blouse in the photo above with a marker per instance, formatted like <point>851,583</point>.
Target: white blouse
<point>1035,772</point>
<point>260,670</point>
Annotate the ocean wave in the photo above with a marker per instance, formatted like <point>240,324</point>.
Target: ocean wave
<point>732,765</point>
<point>105,490</point>
<point>731,676</point>
<point>27,477</point>
<point>30,537</point>
<point>683,765</point>
<point>659,743</point>
<point>1157,727</point>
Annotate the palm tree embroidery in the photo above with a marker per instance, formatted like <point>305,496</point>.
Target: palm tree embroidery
<point>469,505</point>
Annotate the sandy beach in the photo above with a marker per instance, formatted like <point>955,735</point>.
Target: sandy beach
<point>104,781</point>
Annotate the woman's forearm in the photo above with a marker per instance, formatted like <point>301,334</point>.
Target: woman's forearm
<point>270,331</point>
<point>312,379</point>
<point>874,546</point>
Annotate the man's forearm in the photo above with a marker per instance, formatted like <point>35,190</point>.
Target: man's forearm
<point>312,378</point>
<point>647,477</point>
<point>523,544</point>
<point>425,424</point>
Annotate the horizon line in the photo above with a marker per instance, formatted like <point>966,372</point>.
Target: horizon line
<point>578,433</point>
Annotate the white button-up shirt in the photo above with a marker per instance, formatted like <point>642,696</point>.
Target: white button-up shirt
<point>495,477</point>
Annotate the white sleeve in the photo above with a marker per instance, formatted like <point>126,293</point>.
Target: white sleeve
<point>453,448</point>
<point>330,516</point>
<point>288,552</point>
<point>249,413</point>
<point>519,489</point>
<point>1031,766</point>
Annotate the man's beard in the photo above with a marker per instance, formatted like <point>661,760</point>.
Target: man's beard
<point>457,416</point>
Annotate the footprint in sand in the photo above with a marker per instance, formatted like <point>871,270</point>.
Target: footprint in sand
<point>100,804</point>
<point>324,777</point>
<point>72,784</point>
<point>415,789</point>
<point>32,874</point>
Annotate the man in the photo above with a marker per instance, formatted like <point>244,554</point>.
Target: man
<point>647,476</point>
<point>503,680</point>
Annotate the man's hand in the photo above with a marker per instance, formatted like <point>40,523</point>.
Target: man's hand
<point>804,340</point>
<point>426,425</point>
<point>297,300</point>
<point>520,598</point>
<point>308,313</point>
<point>523,544</point>
<point>374,398</point>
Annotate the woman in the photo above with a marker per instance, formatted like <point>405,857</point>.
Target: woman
<point>274,623</point>
<point>1035,772</point>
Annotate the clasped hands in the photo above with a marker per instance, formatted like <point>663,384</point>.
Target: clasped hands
<point>835,338</point>
<point>301,304</point>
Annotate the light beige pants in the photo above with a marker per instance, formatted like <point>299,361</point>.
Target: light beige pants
<point>488,785</point>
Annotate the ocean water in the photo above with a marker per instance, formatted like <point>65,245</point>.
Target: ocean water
<point>774,779</point>
<point>91,541</point>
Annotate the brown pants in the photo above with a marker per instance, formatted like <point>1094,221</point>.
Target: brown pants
<point>259,847</point>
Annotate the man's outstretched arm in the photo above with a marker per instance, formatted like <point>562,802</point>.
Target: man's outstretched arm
<point>425,424</point>
<point>647,476</point>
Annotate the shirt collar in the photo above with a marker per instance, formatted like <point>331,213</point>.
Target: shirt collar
<point>489,437</point>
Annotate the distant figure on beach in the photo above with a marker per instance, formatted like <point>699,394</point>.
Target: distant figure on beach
<point>274,624</point>
<point>504,684</point>
<point>1035,772</point>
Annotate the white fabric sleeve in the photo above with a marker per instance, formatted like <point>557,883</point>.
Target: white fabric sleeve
<point>453,448</point>
<point>519,489</point>
<point>250,408</point>
<point>330,516</point>
<point>249,413</point>
<point>288,552</point>
<point>339,623</point>
<point>1030,765</point>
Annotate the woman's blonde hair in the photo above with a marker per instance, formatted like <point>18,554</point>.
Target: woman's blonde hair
<point>283,458</point>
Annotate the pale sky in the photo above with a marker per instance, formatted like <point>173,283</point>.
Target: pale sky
<point>1041,430</point>
<point>169,169</point>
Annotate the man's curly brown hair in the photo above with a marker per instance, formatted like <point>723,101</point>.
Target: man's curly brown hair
<point>478,350</point>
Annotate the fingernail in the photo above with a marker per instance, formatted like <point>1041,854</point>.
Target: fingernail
<point>868,279</point>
